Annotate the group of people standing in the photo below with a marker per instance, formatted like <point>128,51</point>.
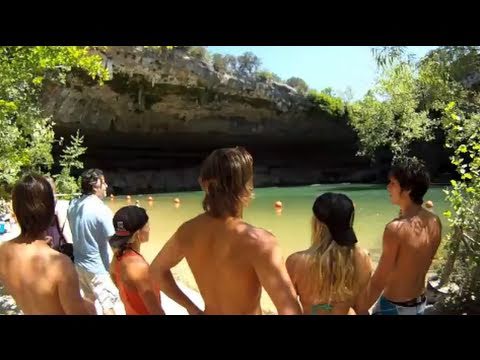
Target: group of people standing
<point>231,260</point>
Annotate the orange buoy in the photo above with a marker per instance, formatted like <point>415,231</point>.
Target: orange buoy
<point>176,201</point>
<point>278,204</point>
<point>150,198</point>
<point>429,204</point>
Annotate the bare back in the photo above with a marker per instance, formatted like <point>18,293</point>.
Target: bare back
<point>418,238</point>
<point>299,267</point>
<point>41,280</point>
<point>230,261</point>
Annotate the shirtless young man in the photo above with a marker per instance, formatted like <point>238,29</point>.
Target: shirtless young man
<point>409,245</point>
<point>230,259</point>
<point>40,279</point>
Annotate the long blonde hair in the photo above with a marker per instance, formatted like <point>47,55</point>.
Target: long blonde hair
<point>333,270</point>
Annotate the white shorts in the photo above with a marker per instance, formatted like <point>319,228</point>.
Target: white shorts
<point>101,290</point>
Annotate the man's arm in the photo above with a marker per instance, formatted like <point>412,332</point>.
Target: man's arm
<point>69,289</point>
<point>161,275</point>
<point>105,222</point>
<point>140,276</point>
<point>272,273</point>
<point>366,272</point>
<point>378,281</point>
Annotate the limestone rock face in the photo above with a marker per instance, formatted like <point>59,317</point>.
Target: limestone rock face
<point>153,123</point>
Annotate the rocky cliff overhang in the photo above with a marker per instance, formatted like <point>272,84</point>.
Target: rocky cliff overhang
<point>165,95</point>
<point>164,111</point>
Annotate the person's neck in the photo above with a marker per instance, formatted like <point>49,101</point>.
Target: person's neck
<point>135,246</point>
<point>30,238</point>
<point>96,194</point>
<point>409,209</point>
<point>237,215</point>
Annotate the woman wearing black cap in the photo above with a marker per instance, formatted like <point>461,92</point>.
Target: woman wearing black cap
<point>130,271</point>
<point>330,274</point>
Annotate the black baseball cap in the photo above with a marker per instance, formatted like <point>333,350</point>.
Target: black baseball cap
<point>337,212</point>
<point>126,222</point>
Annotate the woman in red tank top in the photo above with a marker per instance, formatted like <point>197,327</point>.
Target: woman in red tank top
<point>129,270</point>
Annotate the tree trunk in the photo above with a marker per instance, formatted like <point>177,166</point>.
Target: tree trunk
<point>452,256</point>
<point>475,280</point>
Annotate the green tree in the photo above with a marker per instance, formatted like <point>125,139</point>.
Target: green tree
<point>463,245</point>
<point>386,56</point>
<point>298,84</point>
<point>219,63</point>
<point>200,53</point>
<point>411,100</point>
<point>446,73</point>
<point>230,63</point>
<point>268,76</point>
<point>347,95</point>
<point>328,91</point>
<point>26,134</point>
<point>248,64</point>
<point>331,104</point>
<point>389,114</point>
<point>70,160</point>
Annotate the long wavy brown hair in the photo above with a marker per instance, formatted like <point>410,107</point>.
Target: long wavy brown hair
<point>226,176</point>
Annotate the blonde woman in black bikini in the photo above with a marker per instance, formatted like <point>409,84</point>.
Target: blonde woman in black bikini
<point>330,274</point>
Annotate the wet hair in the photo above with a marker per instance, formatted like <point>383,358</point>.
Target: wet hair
<point>411,174</point>
<point>33,204</point>
<point>228,177</point>
<point>89,179</point>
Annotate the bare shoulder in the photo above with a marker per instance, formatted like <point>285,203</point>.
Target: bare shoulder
<point>136,267</point>
<point>431,217</point>
<point>256,238</point>
<point>3,252</point>
<point>295,261</point>
<point>395,227</point>
<point>363,258</point>
<point>8,250</point>
<point>293,258</point>
<point>362,254</point>
<point>193,223</point>
<point>3,248</point>
<point>297,257</point>
<point>61,268</point>
<point>189,227</point>
<point>59,260</point>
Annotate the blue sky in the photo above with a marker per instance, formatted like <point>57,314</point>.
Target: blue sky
<point>320,66</point>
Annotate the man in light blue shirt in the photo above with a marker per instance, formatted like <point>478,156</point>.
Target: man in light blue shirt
<point>91,224</point>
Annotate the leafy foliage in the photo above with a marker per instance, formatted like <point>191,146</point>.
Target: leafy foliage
<point>331,104</point>
<point>69,160</point>
<point>297,83</point>
<point>26,135</point>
